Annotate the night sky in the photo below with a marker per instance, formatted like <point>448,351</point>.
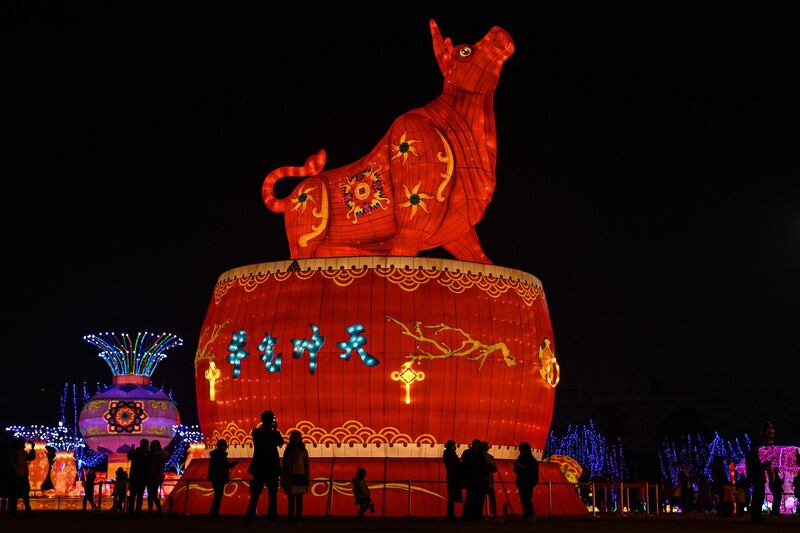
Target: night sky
<point>647,173</point>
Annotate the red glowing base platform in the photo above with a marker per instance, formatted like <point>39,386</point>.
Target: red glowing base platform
<point>404,488</point>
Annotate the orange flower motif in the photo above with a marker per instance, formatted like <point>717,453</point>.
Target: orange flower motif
<point>303,198</point>
<point>415,198</point>
<point>404,147</point>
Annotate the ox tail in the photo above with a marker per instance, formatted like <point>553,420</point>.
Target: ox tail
<point>312,167</point>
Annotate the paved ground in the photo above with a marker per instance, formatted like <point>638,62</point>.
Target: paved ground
<point>74,522</point>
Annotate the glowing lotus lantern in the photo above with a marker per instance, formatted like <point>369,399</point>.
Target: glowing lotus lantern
<point>64,472</point>
<point>132,408</point>
<point>39,467</point>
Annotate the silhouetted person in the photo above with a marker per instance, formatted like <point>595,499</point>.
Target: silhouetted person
<point>20,487</point>
<point>742,495</point>
<point>755,475</point>
<point>265,466</point>
<point>219,474</point>
<point>527,469</point>
<point>490,470</point>
<point>474,466</point>
<point>155,477</point>
<point>88,488</point>
<point>137,479</point>
<point>776,487</point>
<point>687,488</point>
<point>455,479</point>
<point>361,493</point>
<point>296,472</point>
<point>718,482</point>
<point>120,489</point>
<point>796,483</point>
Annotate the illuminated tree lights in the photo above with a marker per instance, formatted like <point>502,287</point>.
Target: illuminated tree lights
<point>63,441</point>
<point>178,448</point>
<point>699,454</point>
<point>138,356</point>
<point>591,449</point>
<point>57,437</point>
<point>44,434</point>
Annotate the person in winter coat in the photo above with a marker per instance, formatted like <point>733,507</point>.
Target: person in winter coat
<point>120,489</point>
<point>776,488</point>
<point>155,478</point>
<point>140,472</point>
<point>476,470</point>
<point>88,488</point>
<point>527,469</point>
<point>455,480</point>
<point>490,471</point>
<point>19,484</point>
<point>265,466</point>
<point>218,474</point>
<point>296,474</point>
<point>362,493</point>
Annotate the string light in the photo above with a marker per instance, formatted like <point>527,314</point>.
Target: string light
<point>591,449</point>
<point>35,433</point>
<point>138,356</point>
<point>184,437</point>
<point>698,454</point>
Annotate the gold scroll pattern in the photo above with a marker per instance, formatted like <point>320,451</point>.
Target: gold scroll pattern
<point>468,347</point>
<point>351,432</point>
<point>321,486</point>
<point>207,337</point>
<point>321,214</point>
<point>407,279</point>
<point>446,157</point>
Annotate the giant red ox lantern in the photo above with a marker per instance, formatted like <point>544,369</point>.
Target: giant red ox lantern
<point>379,357</point>
<point>426,183</point>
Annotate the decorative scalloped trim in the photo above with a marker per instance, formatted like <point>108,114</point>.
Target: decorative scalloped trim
<point>409,275</point>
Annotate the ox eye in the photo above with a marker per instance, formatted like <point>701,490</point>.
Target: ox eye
<point>464,52</point>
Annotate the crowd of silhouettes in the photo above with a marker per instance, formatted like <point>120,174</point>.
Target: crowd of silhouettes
<point>146,473</point>
<point>470,479</point>
<point>474,473</point>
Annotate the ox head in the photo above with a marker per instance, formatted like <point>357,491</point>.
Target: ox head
<point>473,68</point>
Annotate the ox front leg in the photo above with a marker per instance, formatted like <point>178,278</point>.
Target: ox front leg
<point>467,247</point>
<point>406,242</point>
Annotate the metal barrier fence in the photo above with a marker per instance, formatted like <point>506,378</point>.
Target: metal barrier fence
<point>600,498</point>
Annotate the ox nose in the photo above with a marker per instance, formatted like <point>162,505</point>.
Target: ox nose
<point>501,38</point>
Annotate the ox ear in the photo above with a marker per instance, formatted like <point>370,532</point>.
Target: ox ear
<point>441,49</point>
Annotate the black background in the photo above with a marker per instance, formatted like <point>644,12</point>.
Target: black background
<point>647,174</point>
